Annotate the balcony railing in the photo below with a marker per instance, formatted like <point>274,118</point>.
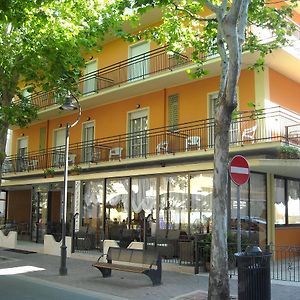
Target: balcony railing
<point>130,70</point>
<point>247,128</point>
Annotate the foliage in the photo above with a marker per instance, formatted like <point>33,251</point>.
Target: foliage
<point>75,169</point>
<point>210,28</point>
<point>289,152</point>
<point>49,172</point>
<point>42,42</point>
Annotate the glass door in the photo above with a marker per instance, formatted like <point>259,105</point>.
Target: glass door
<point>39,216</point>
<point>90,82</point>
<point>139,61</point>
<point>21,154</point>
<point>59,144</point>
<point>138,141</point>
<point>88,141</point>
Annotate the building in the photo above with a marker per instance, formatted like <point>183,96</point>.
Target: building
<point>144,145</point>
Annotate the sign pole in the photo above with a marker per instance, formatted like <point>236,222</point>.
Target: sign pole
<point>239,173</point>
<point>238,216</point>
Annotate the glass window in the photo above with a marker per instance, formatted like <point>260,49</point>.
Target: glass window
<point>173,213</point>
<point>293,202</point>
<point>253,209</point>
<point>117,206</point>
<point>280,206</point>
<point>92,204</point>
<point>258,209</point>
<point>201,188</point>
<point>287,202</point>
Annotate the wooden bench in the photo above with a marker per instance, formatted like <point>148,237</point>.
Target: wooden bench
<point>131,260</point>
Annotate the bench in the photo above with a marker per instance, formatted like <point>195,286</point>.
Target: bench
<point>131,260</point>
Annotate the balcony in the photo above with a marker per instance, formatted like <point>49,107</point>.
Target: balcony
<point>251,130</point>
<point>128,71</point>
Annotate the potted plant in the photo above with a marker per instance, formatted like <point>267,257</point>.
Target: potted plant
<point>75,170</point>
<point>49,172</point>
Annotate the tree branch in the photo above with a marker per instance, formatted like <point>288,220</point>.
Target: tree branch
<point>214,8</point>
<point>192,15</point>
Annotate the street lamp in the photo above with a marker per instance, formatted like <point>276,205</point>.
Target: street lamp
<point>69,106</point>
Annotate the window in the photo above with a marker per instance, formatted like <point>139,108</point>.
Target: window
<point>138,126</point>
<point>139,59</point>
<point>88,141</point>
<point>253,209</point>
<point>90,82</point>
<point>173,111</point>
<point>287,201</point>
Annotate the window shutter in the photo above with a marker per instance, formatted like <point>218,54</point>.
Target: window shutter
<point>173,111</point>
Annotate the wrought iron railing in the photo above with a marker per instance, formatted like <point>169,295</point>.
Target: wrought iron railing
<point>284,262</point>
<point>136,68</point>
<point>248,128</point>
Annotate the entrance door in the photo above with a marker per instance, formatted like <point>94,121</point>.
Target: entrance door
<point>39,216</point>
<point>90,82</point>
<point>233,131</point>
<point>139,61</point>
<point>88,141</point>
<point>59,144</point>
<point>138,126</point>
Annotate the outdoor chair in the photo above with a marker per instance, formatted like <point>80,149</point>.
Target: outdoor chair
<point>192,142</point>
<point>248,134</point>
<point>162,147</point>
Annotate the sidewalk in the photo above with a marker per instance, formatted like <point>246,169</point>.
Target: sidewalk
<point>123,285</point>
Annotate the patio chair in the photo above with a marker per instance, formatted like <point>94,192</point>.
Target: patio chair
<point>115,153</point>
<point>248,134</point>
<point>162,147</point>
<point>192,142</point>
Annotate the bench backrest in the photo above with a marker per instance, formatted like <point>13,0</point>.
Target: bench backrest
<point>137,256</point>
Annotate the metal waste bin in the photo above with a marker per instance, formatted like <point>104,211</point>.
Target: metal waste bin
<point>254,280</point>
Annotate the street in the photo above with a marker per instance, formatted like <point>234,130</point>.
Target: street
<point>20,287</point>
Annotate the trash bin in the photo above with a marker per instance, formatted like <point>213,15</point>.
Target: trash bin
<point>254,280</point>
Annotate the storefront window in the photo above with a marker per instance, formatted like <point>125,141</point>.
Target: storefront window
<point>280,206</point>
<point>201,187</point>
<point>173,213</point>
<point>287,201</point>
<point>293,202</point>
<point>143,203</point>
<point>92,204</point>
<point>253,209</point>
<point>117,207</point>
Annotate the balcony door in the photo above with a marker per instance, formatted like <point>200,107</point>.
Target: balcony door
<point>139,61</point>
<point>22,150</point>
<point>88,141</point>
<point>233,131</point>
<point>90,81</point>
<point>138,126</point>
<point>59,144</point>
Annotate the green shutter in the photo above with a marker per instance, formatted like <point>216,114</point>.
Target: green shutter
<point>173,111</point>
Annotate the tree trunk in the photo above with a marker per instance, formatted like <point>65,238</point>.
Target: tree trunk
<point>218,277</point>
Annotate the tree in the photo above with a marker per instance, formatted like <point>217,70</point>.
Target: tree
<point>210,27</point>
<point>42,42</point>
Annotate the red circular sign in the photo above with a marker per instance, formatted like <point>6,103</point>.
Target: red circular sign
<point>239,170</point>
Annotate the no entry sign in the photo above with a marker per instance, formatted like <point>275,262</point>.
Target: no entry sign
<point>239,170</point>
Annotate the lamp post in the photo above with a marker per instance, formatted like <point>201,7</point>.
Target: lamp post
<point>69,106</point>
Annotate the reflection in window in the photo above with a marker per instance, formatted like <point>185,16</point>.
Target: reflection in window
<point>117,201</point>
<point>92,203</point>
<point>201,187</point>
<point>173,213</point>
<point>287,202</point>
<point>279,201</point>
<point>253,209</point>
